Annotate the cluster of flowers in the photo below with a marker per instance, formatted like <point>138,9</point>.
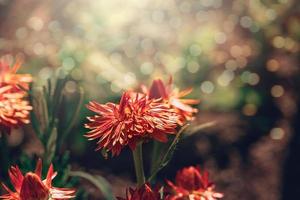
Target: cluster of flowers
<point>141,116</point>
<point>150,114</point>
<point>14,111</point>
<point>190,184</point>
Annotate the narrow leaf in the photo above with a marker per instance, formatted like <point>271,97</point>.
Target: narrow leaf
<point>51,146</point>
<point>169,153</point>
<point>74,117</point>
<point>40,108</point>
<point>98,181</point>
<point>194,129</point>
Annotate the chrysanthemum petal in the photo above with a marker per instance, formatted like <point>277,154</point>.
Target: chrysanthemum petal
<point>14,108</point>
<point>31,186</point>
<point>159,90</point>
<point>191,182</point>
<point>135,118</point>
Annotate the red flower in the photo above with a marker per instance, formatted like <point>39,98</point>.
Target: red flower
<point>135,118</point>
<point>172,96</point>
<point>8,76</point>
<point>14,110</point>
<point>143,193</point>
<point>32,187</point>
<point>191,184</point>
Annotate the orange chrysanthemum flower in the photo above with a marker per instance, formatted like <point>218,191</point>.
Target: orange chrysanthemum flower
<point>172,96</point>
<point>143,193</point>
<point>135,118</point>
<point>8,76</point>
<point>32,187</point>
<point>191,184</point>
<point>14,110</point>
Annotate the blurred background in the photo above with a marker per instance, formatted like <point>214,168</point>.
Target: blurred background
<point>241,58</point>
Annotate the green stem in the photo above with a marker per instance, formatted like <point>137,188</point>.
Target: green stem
<point>4,153</point>
<point>156,148</point>
<point>138,165</point>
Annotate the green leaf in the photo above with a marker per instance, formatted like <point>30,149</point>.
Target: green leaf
<point>195,129</point>
<point>33,118</point>
<point>63,168</point>
<point>76,112</point>
<point>156,155</point>
<point>98,181</point>
<point>168,154</point>
<point>58,95</point>
<point>51,146</point>
<point>40,108</point>
<point>74,117</point>
<point>35,125</point>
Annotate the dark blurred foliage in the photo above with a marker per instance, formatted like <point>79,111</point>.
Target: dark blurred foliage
<point>241,58</point>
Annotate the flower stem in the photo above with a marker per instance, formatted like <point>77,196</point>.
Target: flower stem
<point>4,159</point>
<point>138,165</point>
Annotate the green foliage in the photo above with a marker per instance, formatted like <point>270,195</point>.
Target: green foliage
<point>50,125</point>
<point>51,146</point>
<point>97,181</point>
<point>165,158</point>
